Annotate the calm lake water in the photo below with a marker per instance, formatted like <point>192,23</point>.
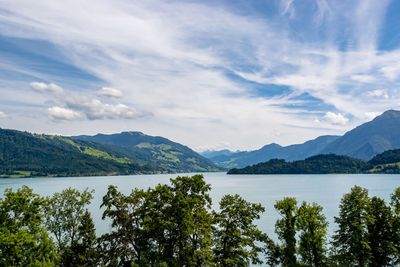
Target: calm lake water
<point>326,190</point>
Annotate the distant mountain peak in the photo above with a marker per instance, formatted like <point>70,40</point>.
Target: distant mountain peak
<point>391,113</point>
<point>132,133</point>
<point>371,138</point>
<point>272,145</point>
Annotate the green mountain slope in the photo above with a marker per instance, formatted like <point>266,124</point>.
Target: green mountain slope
<point>154,150</point>
<point>320,164</point>
<point>386,162</point>
<point>27,154</point>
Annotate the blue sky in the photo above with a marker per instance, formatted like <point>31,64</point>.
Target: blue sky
<point>209,74</point>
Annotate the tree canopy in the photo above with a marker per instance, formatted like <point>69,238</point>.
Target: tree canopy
<point>174,225</point>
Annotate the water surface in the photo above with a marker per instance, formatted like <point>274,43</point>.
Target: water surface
<point>325,190</point>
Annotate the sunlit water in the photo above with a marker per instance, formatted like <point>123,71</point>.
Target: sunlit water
<point>325,190</point>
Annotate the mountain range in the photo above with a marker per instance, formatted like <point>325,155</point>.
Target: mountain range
<point>27,154</point>
<point>363,142</point>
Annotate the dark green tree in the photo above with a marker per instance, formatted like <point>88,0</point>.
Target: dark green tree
<point>66,219</point>
<point>23,238</point>
<point>127,243</point>
<point>351,238</point>
<point>381,235</point>
<point>395,205</point>
<point>285,228</point>
<point>191,218</point>
<point>169,225</point>
<point>237,239</point>
<point>312,226</point>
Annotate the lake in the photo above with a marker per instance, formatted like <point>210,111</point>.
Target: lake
<point>325,190</point>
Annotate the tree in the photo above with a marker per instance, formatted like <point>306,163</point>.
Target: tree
<point>381,237</point>
<point>236,236</point>
<point>351,238</point>
<point>23,238</point>
<point>169,225</point>
<point>312,225</point>
<point>65,214</point>
<point>285,228</point>
<point>191,218</point>
<point>83,251</point>
<point>127,244</point>
<point>395,205</point>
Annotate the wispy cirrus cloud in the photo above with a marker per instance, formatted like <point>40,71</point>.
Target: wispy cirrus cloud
<point>210,69</point>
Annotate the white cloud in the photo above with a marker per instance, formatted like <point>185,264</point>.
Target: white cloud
<point>335,118</point>
<point>47,87</point>
<point>371,115</point>
<point>362,78</point>
<point>60,113</point>
<point>392,71</point>
<point>94,109</point>
<point>2,115</point>
<point>380,93</point>
<point>110,92</point>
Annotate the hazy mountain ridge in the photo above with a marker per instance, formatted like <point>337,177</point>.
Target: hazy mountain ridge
<point>363,142</point>
<point>290,153</point>
<point>369,139</point>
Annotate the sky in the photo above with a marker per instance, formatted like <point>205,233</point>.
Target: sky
<point>209,74</point>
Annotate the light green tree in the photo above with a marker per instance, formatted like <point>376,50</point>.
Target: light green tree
<point>23,238</point>
<point>237,240</point>
<point>285,228</point>
<point>351,238</point>
<point>65,214</point>
<point>312,227</point>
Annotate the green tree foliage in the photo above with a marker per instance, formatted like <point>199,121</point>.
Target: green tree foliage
<point>173,225</point>
<point>127,243</point>
<point>23,239</point>
<point>69,221</point>
<point>305,222</point>
<point>285,228</point>
<point>237,239</point>
<point>312,227</point>
<point>395,205</point>
<point>166,225</point>
<point>381,235</point>
<point>368,231</point>
<point>83,251</point>
<point>316,164</point>
<point>350,239</point>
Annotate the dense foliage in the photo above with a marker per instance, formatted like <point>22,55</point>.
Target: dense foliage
<point>174,225</point>
<point>319,164</point>
<point>25,154</point>
<point>386,162</point>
